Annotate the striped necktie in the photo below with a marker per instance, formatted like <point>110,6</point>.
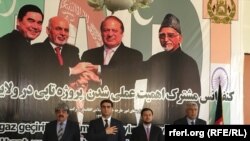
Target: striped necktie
<point>60,131</point>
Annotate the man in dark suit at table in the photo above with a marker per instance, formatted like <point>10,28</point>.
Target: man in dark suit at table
<point>191,117</point>
<point>147,131</point>
<point>117,64</point>
<point>106,128</point>
<point>62,129</point>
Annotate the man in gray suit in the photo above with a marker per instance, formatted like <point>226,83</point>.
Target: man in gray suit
<point>191,117</point>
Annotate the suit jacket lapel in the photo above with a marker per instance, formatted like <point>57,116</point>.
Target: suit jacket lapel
<point>101,55</point>
<point>51,52</point>
<point>152,133</point>
<point>50,49</point>
<point>100,123</point>
<point>66,131</point>
<point>144,132</point>
<point>54,134</point>
<point>117,55</point>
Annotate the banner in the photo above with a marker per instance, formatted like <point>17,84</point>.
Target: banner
<point>209,28</point>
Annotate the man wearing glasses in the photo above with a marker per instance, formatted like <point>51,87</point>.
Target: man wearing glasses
<point>62,129</point>
<point>172,70</point>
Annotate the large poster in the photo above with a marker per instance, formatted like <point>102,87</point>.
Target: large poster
<point>193,74</point>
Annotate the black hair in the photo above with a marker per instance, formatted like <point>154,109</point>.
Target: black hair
<point>115,18</point>
<point>146,109</point>
<point>106,101</point>
<point>28,8</point>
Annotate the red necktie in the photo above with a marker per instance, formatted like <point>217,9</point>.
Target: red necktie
<point>59,56</point>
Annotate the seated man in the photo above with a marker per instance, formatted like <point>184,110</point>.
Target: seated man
<point>191,117</point>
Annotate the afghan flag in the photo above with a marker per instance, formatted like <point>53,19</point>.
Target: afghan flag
<point>219,113</point>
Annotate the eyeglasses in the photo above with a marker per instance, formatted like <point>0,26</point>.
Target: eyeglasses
<point>169,35</point>
<point>61,111</point>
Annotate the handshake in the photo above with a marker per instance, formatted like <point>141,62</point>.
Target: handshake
<point>85,73</point>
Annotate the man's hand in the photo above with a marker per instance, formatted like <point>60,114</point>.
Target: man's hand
<point>111,130</point>
<point>82,67</point>
<point>83,80</point>
<point>90,75</point>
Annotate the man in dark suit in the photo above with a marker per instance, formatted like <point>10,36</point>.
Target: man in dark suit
<point>16,60</point>
<point>56,62</point>
<point>191,117</point>
<point>106,128</point>
<point>147,131</point>
<point>15,51</point>
<point>117,64</point>
<point>121,59</point>
<point>62,129</point>
<point>172,70</point>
